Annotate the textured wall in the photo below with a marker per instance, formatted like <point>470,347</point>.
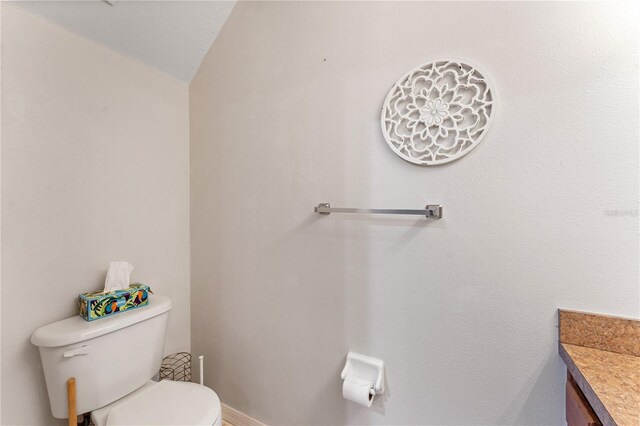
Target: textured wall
<point>284,114</point>
<point>95,167</point>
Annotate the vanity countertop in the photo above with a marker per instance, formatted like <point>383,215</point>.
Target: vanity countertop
<point>602,353</point>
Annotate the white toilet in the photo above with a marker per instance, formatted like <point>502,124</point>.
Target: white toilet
<point>113,360</point>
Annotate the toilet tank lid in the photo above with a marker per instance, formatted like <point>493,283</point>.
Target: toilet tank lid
<point>76,329</point>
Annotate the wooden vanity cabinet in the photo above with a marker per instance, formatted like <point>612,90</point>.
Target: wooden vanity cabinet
<point>579,411</point>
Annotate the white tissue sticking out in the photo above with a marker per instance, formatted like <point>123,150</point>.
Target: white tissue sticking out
<point>118,276</point>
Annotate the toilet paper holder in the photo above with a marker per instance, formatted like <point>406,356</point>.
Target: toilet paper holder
<point>367,368</point>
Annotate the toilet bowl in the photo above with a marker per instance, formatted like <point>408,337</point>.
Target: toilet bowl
<point>112,361</point>
<point>162,403</point>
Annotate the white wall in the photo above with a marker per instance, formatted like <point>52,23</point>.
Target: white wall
<point>95,168</point>
<point>284,115</point>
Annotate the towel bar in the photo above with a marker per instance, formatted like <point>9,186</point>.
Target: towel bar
<point>431,211</point>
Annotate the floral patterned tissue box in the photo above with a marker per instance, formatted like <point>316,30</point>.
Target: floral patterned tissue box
<point>98,305</point>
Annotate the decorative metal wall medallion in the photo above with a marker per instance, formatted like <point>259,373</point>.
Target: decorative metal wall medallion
<point>438,112</point>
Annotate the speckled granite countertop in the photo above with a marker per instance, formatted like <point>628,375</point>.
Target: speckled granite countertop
<point>602,355</point>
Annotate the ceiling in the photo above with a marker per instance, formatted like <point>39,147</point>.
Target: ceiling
<point>172,36</point>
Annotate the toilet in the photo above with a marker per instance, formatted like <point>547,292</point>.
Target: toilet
<point>113,361</point>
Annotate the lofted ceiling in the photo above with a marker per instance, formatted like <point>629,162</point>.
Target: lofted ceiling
<point>172,36</point>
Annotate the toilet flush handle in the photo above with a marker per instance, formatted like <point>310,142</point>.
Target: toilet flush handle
<point>82,350</point>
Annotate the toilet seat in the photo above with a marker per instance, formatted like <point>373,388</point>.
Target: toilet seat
<point>162,403</point>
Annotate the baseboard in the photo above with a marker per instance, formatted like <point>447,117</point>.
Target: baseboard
<point>236,418</point>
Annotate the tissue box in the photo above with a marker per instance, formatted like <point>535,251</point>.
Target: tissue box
<point>98,305</point>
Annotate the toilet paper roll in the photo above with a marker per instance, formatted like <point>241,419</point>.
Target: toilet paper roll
<point>357,390</point>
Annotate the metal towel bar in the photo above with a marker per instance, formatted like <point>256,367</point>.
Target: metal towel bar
<point>431,211</point>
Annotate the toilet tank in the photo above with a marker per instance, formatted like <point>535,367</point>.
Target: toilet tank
<point>109,358</point>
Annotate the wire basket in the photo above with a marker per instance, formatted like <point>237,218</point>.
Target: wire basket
<point>176,367</point>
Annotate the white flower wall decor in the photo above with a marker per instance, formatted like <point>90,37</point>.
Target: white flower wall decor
<point>438,112</point>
